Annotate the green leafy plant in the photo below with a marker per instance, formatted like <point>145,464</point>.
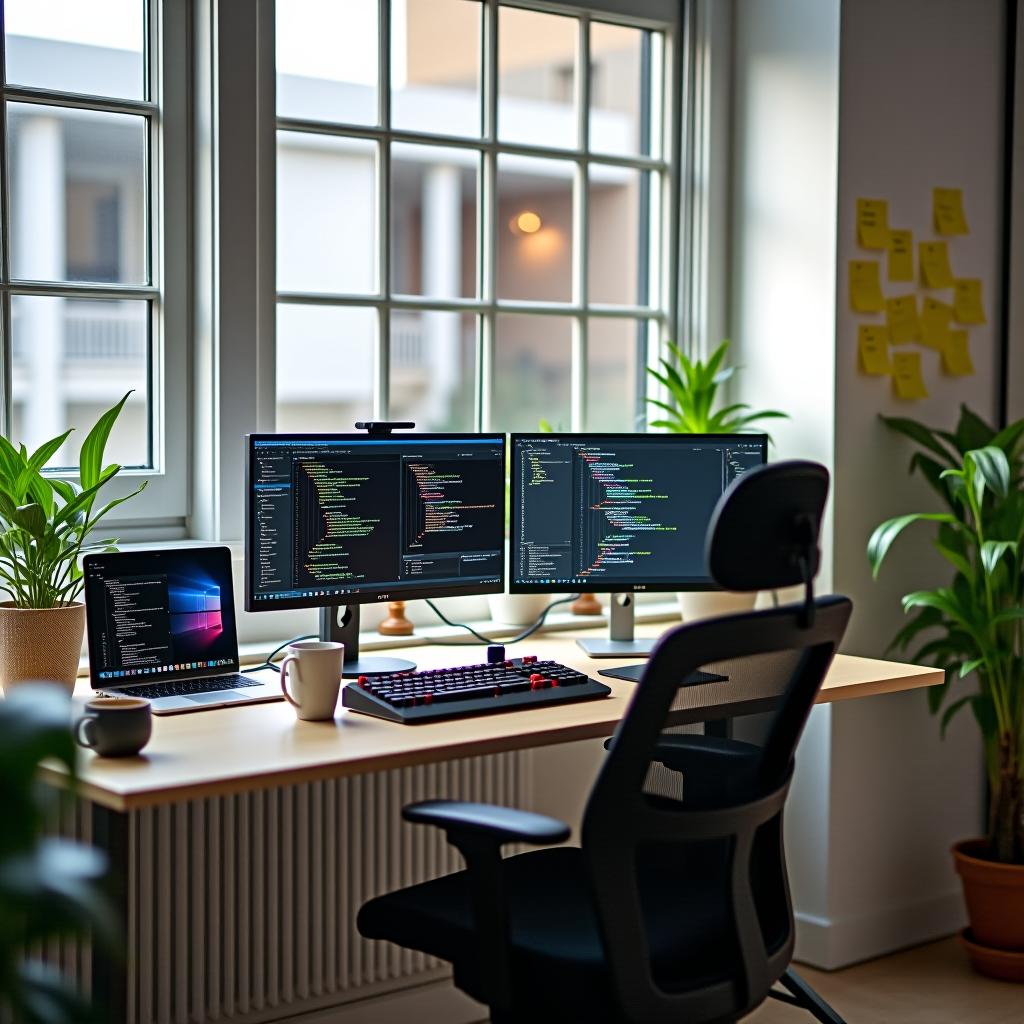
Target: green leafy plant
<point>693,387</point>
<point>46,523</point>
<point>49,887</point>
<point>976,624</point>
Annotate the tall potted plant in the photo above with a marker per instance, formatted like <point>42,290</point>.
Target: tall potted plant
<point>46,526</point>
<point>692,388</point>
<point>976,624</point>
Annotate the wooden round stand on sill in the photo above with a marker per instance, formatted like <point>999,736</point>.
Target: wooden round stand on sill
<point>396,624</point>
<point>586,604</point>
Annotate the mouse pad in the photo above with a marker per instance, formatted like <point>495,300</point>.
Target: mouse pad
<point>633,673</point>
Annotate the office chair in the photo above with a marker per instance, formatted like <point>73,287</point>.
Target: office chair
<point>670,910</point>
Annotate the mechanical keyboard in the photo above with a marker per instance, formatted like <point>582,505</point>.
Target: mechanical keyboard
<point>186,687</point>
<point>415,697</point>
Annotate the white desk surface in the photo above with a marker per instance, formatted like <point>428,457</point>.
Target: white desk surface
<point>236,750</point>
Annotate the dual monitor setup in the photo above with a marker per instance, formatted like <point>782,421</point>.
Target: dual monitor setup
<point>334,521</point>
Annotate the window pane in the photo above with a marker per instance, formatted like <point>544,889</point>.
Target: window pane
<point>326,213</point>
<point>74,46</point>
<point>324,367</point>
<point>433,221</point>
<point>435,66</point>
<point>531,372</point>
<point>433,369</point>
<point>620,227</point>
<point>619,89</point>
<point>327,60</point>
<point>72,360</point>
<point>537,68</point>
<point>616,353</point>
<point>534,229</point>
<point>78,182</point>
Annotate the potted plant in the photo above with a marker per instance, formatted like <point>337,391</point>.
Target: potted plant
<point>976,624</point>
<point>692,387</point>
<point>49,887</point>
<point>46,525</point>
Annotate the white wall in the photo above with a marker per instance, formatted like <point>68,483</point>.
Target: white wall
<point>909,93</point>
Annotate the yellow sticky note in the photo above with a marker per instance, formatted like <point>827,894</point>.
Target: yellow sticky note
<point>967,304</point>
<point>901,255</point>
<point>873,346</point>
<point>956,356</point>
<point>902,320</point>
<point>865,287</point>
<point>948,204</point>
<point>907,381</point>
<point>873,223</point>
<point>935,268</point>
<point>935,320</point>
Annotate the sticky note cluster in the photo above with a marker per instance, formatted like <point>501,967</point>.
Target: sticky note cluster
<point>935,322</point>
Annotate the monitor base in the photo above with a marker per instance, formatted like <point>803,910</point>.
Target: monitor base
<point>341,625</point>
<point>371,666</point>
<point>617,648</point>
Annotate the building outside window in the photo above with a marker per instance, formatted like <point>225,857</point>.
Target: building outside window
<point>470,199</point>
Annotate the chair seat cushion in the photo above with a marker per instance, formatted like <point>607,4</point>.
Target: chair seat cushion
<point>558,959</point>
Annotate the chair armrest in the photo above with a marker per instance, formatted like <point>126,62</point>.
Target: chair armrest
<point>477,831</point>
<point>693,753</point>
<point>501,824</point>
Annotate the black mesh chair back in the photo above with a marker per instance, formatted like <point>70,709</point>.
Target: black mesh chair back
<point>722,850</point>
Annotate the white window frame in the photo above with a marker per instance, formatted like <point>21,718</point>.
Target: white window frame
<point>161,510</point>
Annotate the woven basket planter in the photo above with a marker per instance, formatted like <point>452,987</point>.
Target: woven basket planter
<point>40,644</point>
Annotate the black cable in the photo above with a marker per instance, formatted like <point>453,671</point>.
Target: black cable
<point>277,650</point>
<point>529,631</point>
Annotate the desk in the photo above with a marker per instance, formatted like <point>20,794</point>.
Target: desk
<point>236,826</point>
<point>237,750</point>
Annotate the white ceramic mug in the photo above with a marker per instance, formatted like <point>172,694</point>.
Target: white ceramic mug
<point>316,680</point>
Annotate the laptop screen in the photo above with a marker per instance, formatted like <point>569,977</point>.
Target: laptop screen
<point>159,615</point>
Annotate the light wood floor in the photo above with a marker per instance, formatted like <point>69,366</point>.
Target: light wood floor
<point>931,984</point>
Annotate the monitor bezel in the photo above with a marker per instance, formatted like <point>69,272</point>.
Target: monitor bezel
<point>671,586</point>
<point>391,592</point>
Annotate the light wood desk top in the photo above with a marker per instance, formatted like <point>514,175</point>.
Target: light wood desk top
<point>237,750</point>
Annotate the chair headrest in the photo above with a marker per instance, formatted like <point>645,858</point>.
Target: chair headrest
<point>764,530</point>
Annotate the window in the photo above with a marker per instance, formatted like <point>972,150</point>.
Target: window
<point>472,200</point>
<point>85,254</point>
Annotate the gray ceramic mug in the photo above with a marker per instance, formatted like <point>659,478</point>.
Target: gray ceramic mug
<point>115,726</point>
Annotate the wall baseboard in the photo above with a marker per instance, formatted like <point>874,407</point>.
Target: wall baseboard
<point>831,943</point>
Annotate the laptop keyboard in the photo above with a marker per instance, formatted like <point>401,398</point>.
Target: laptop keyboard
<point>184,687</point>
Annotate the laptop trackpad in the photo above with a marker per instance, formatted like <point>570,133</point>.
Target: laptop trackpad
<point>215,697</point>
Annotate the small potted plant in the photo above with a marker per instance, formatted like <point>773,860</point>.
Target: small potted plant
<point>976,625</point>
<point>692,387</point>
<point>46,526</point>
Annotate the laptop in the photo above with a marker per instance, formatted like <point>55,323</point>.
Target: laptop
<point>161,625</point>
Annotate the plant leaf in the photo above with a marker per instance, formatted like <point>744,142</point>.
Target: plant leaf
<point>993,467</point>
<point>91,458</point>
<point>993,550</point>
<point>883,536</point>
<point>922,435</point>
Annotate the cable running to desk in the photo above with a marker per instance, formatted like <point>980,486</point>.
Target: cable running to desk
<point>480,638</point>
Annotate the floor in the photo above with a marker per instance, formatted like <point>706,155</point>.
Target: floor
<point>931,984</point>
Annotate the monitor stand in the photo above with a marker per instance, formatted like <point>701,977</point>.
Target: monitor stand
<point>341,625</point>
<point>620,642</point>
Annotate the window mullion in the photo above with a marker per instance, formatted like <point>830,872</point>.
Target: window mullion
<point>487,245</point>
<point>6,342</point>
<point>382,350</point>
<point>581,213</point>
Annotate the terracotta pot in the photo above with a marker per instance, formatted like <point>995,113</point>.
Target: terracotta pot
<point>995,897</point>
<point>40,643</point>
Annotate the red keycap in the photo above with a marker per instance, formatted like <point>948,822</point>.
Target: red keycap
<point>362,680</point>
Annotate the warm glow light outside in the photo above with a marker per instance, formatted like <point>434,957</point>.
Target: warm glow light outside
<point>526,223</point>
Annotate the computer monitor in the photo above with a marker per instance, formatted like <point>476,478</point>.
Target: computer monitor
<point>619,514</point>
<point>338,520</point>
